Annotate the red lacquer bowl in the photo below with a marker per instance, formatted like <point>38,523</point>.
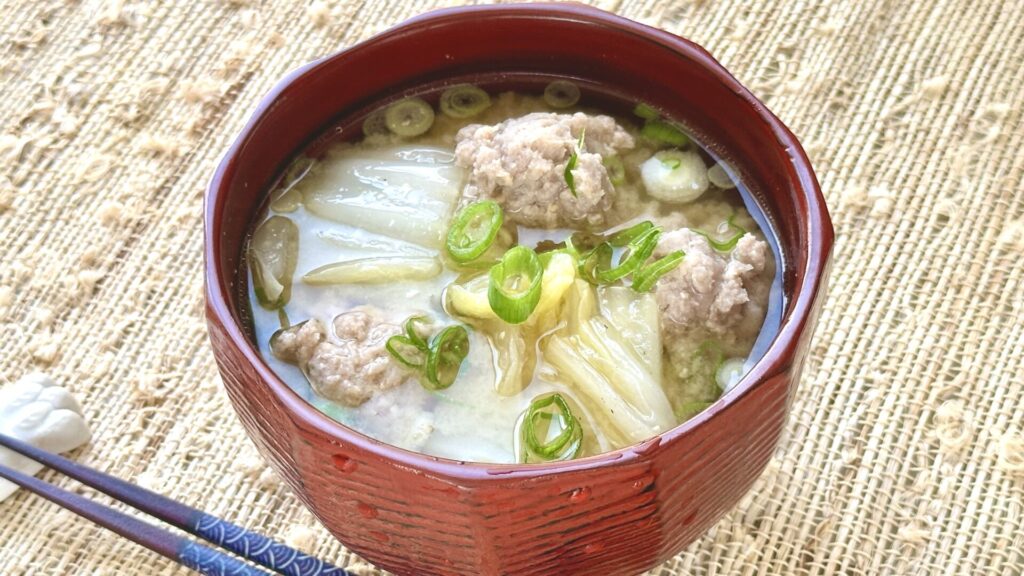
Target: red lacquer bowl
<point>616,513</point>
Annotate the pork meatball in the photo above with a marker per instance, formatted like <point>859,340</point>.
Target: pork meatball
<point>520,163</point>
<point>350,367</point>
<point>710,293</point>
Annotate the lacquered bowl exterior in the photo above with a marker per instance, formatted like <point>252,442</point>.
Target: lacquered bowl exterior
<point>616,513</point>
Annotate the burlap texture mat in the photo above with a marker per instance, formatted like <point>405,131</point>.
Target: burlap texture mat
<point>905,447</point>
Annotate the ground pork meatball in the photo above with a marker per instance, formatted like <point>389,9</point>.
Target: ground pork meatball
<point>296,345</point>
<point>711,293</point>
<point>520,163</point>
<point>350,368</point>
<point>712,307</point>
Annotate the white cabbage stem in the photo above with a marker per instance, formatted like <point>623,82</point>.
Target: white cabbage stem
<point>374,271</point>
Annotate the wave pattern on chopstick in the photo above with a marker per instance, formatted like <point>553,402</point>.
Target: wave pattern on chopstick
<point>260,549</point>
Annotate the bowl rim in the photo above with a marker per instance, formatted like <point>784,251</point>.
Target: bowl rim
<point>777,358</point>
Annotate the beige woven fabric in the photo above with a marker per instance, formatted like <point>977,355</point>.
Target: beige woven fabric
<point>905,448</point>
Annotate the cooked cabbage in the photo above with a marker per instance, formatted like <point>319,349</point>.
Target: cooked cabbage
<point>403,195</point>
<point>515,346</point>
<point>592,356</point>
<point>636,317</point>
<point>374,271</point>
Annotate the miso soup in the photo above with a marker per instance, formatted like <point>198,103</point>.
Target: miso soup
<point>522,275</point>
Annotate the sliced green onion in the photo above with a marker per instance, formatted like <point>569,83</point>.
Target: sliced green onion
<point>561,94</point>
<point>584,242</point>
<point>375,124</point>
<point>448,348</point>
<point>473,230</point>
<point>570,180</point>
<point>646,111</point>
<point>637,252</point>
<point>664,133</point>
<point>409,117</point>
<point>514,288</point>
<point>616,170</point>
<point>645,278</point>
<point>730,243</point>
<point>438,362</point>
<point>671,163</point>
<point>273,253</point>
<point>535,431</point>
<point>406,351</point>
<point>593,262</point>
<point>595,251</point>
<point>464,101</point>
<point>624,237</point>
<point>415,335</point>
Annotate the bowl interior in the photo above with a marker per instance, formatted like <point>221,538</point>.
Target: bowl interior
<point>634,61</point>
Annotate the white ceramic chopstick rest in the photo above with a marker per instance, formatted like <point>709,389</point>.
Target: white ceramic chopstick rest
<point>38,411</point>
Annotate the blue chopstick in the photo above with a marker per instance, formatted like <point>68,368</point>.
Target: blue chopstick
<point>200,558</point>
<point>249,545</point>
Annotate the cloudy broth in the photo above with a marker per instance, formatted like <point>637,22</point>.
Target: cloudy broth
<point>469,420</point>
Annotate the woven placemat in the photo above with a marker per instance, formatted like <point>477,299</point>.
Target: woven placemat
<point>904,452</point>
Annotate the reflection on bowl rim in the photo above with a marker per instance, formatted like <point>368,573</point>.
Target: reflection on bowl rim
<point>775,359</point>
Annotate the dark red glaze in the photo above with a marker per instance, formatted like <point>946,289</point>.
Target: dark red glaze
<point>616,513</point>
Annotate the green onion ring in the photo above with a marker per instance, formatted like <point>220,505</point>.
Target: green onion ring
<point>409,117</point>
<point>406,351</point>
<point>464,101</point>
<point>646,276</point>
<point>561,94</point>
<point>646,111</point>
<point>414,335</point>
<point>566,445</point>
<point>592,262</point>
<point>521,268</point>
<point>473,230</point>
<point>726,245</point>
<point>624,237</point>
<point>637,252</point>
<point>448,348</point>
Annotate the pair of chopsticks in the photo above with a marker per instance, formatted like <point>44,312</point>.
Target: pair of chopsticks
<point>205,560</point>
